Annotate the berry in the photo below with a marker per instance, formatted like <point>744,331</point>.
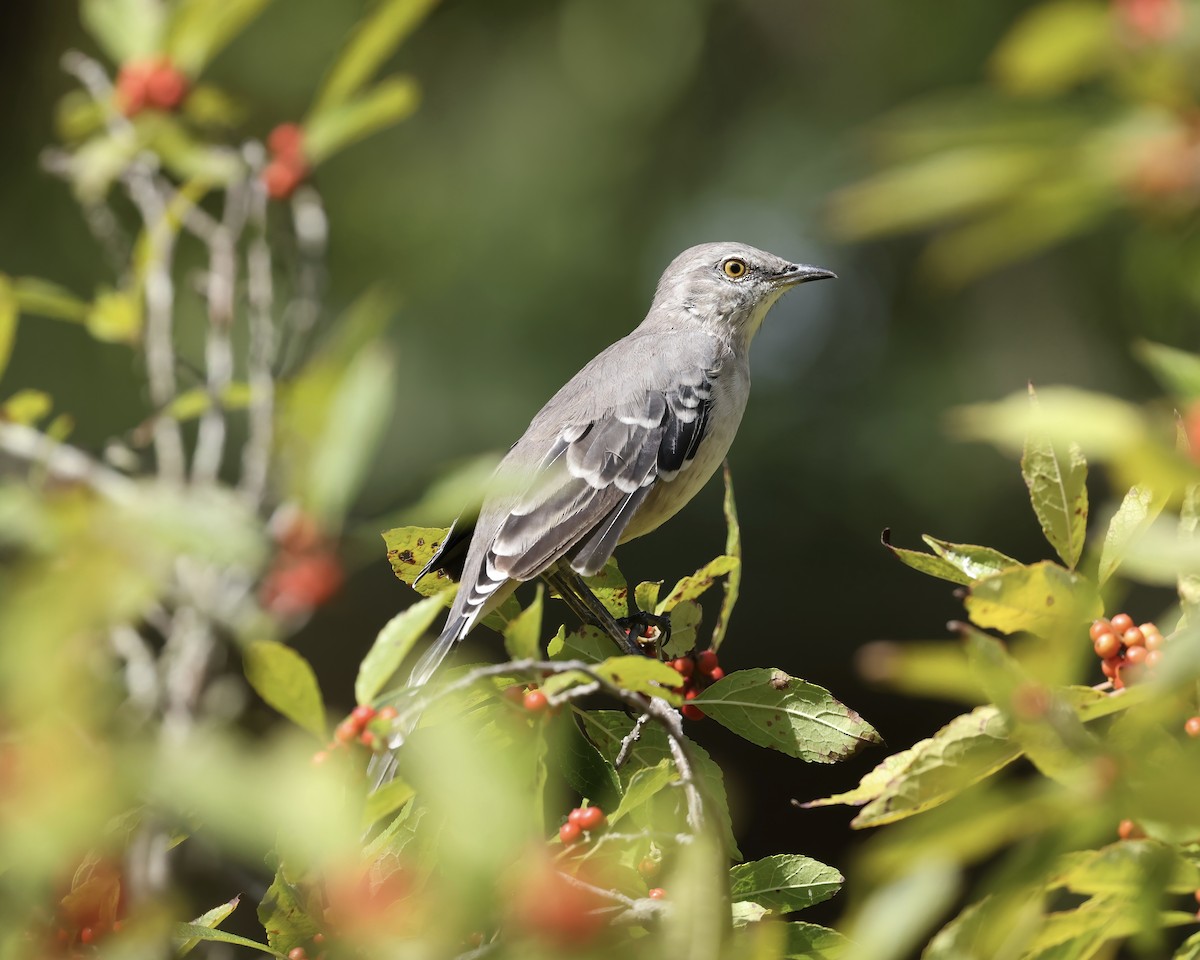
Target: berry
<point>1121,622</point>
<point>590,818</point>
<point>286,140</point>
<point>1192,727</point>
<point>1110,667</point>
<point>1136,655</point>
<point>706,661</point>
<point>570,832</point>
<point>535,701</point>
<point>297,953</point>
<point>649,868</point>
<point>362,715</point>
<point>691,712</point>
<point>683,666</point>
<point>1129,830</point>
<point>1099,627</point>
<point>715,674</point>
<point>318,938</point>
<point>282,178</point>
<point>388,714</point>
<point>166,87</point>
<point>1154,640</point>
<point>1107,645</point>
<point>656,893</point>
<point>131,87</point>
<point>87,935</point>
<point>345,732</point>
<point>367,739</point>
<point>1133,637</point>
<point>1153,657</point>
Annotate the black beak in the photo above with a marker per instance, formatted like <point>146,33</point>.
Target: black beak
<point>802,273</point>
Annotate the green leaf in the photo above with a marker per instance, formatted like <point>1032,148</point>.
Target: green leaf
<point>359,412</point>
<point>896,916</point>
<point>809,941</point>
<point>785,713</point>
<point>1042,598</point>
<point>784,882</point>
<point>192,933</point>
<point>409,549</point>
<point>210,919</point>
<point>1079,933</point>
<point>1053,47</point>
<point>611,588</point>
<point>1125,868</point>
<point>933,669</point>
<point>200,29</point>
<point>1177,370</point>
<point>394,642</point>
<point>374,40</point>
<point>26,407</point>
<point>588,643</point>
<point>1057,482</point>
<point>645,595</point>
<point>733,548</point>
<point>1137,511</point>
<point>125,29</point>
<point>329,131</point>
<point>685,624</point>
<point>641,675</point>
<point>284,917</point>
<point>387,799</point>
<point>286,682</point>
<point>962,563</point>
<point>926,563</point>
<point>968,749</point>
<point>642,786</point>
<point>47,299</point>
<point>694,586</point>
<point>8,321</point>
<point>585,769</point>
<point>1189,949</point>
<point>523,635</point>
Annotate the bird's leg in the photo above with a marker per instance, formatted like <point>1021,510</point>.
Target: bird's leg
<point>639,621</point>
<point>585,605</point>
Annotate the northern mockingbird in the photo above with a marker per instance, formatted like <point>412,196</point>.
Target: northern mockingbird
<point>626,443</point>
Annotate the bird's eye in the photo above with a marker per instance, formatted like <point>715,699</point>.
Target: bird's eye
<point>734,268</point>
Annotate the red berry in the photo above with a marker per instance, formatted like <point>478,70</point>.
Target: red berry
<point>649,868</point>
<point>87,935</point>
<point>535,701</point>
<point>1192,727</point>
<point>1135,655</point>
<point>691,712</point>
<point>590,818</point>
<point>1154,641</point>
<point>1153,658</point>
<point>297,953</point>
<point>683,666</point>
<point>367,739</point>
<point>715,674</point>
<point>166,87</point>
<point>287,141</point>
<point>346,731</point>
<point>1133,637</point>
<point>1099,627</point>
<point>362,715</point>
<point>706,661</point>
<point>131,87</point>
<point>387,713</point>
<point>281,179</point>
<point>1110,667</point>
<point>1129,830</point>
<point>1121,622</point>
<point>570,832</point>
<point>656,893</point>
<point>1106,646</point>
<point>318,938</point>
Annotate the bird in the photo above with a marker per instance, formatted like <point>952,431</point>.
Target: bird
<point>626,443</point>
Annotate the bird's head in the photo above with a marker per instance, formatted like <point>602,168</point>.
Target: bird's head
<point>730,285</point>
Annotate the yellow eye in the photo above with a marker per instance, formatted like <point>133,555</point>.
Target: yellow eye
<point>734,268</point>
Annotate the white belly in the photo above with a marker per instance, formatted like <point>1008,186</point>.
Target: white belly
<point>730,390</point>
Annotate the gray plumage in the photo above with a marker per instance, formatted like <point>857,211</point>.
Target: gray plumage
<point>630,439</point>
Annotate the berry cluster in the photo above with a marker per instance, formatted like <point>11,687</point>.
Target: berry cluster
<point>289,166</point>
<point>356,729</point>
<point>699,670</point>
<point>1126,651</point>
<point>90,911</point>
<point>306,571</point>
<point>581,820</point>
<point>154,84</point>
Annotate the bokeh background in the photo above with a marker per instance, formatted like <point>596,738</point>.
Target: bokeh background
<point>563,153</point>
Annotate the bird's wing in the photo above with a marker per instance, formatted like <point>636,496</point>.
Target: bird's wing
<point>589,483</point>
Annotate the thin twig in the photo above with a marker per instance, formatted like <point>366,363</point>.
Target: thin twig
<point>632,737</point>
<point>64,462</point>
<point>256,454</point>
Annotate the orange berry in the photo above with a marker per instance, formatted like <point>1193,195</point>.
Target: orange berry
<point>346,731</point>
<point>367,739</point>
<point>1154,641</point>
<point>1153,658</point>
<point>1107,646</point>
<point>649,868</point>
<point>683,666</point>
<point>1136,655</point>
<point>318,938</point>
<point>656,893</point>
<point>281,179</point>
<point>715,674</point>
<point>87,935</point>
<point>1129,830</point>
<point>388,713</point>
<point>1133,637</point>
<point>1099,627</point>
<point>362,715</point>
<point>166,86</point>
<point>589,818</point>
<point>286,140</point>
<point>297,953</point>
<point>1110,667</point>
<point>1192,727</point>
<point>691,712</point>
<point>706,661</point>
<point>1121,622</point>
<point>569,833</point>
<point>535,701</point>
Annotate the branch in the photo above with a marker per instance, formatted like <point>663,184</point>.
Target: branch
<point>64,462</point>
<point>256,454</point>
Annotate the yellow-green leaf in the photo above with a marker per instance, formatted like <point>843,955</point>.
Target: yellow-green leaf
<point>387,103</point>
<point>1041,598</point>
<point>394,642</point>
<point>1057,481</point>
<point>8,321</point>
<point>1137,511</point>
<point>641,675</point>
<point>284,679</point>
<point>523,635</point>
<point>115,316</point>
<point>1053,47</point>
<point>210,919</point>
<point>26,407</point>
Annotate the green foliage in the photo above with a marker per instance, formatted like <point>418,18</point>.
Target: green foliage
<point>285,680</point>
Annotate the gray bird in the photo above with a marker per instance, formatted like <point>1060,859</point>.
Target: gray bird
<point>627,442</point>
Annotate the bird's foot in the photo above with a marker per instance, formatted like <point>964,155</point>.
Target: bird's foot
<point>648,630</point>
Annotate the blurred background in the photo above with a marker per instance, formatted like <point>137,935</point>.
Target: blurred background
<point>1007,191</point>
